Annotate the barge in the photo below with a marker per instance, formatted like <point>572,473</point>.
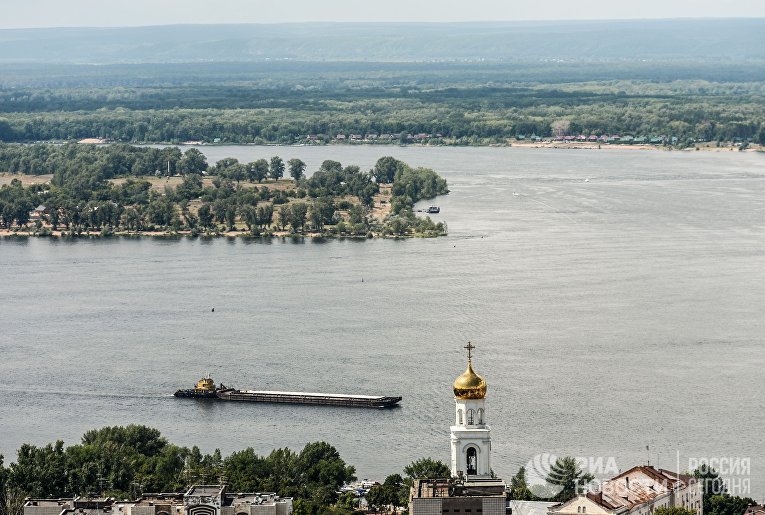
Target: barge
<point>322,399</point>
<point>206,389</point>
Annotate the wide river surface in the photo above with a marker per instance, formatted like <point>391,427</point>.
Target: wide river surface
<point>616,299</point>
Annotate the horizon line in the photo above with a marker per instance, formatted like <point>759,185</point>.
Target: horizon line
<point>382,23</point>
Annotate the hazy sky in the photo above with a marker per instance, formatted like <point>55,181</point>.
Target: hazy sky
<point>55,13</point>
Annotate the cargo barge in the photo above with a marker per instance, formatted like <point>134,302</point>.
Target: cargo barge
<point>206,389</point>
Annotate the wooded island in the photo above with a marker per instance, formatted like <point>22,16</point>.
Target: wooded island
<point>86,190</point>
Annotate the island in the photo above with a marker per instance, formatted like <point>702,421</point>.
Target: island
<point>104,190</point>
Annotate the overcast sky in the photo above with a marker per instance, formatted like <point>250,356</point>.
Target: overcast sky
<point>111,13</point>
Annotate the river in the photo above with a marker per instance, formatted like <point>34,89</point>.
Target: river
<point>615,299</point>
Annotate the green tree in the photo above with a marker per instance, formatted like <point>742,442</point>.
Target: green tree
<point>425,468</point>
<point>519,488</point>
<point>205,215</point>
<point>276,168</point>
<point>716,499</point>
<point>297,169</point>
<point>237,172</point>
<point>385,169</point>
<point>231,216</point>
<point>40,471</point>
<point>3,485</point>
<point>249,215</point>
<point>284,216</point>
<point>160,211</point>
<point>297,216</point>
<point>727,505</point>
<point>265,215</point>
<point>393,493</point>
<point>193,161</point>
<point>566,475</point>
<point>258,170</point>
<point>224,164</point>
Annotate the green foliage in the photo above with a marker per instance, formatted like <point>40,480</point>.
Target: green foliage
<point>111,459</point>
<point>296,215</point>
<point>410,186</point>
<point>716,499</point>
<point>297,169</point>
<point>519,488</point>
<point>193,161</point>
<point>566,475</point>
<point>333,180</point>
<point>276,168</point>
<point>727,505</point>
<point>258,170</point>
<point>91,198</point>
<point>425,468</point>
<point>459,104</point>
<point>386,168</point>
<point>392,493</point>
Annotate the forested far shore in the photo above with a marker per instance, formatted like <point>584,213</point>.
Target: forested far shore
<point>455,104</point>
<point>124,189</point>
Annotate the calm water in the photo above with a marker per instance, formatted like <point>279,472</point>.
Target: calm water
<point>609,314</point>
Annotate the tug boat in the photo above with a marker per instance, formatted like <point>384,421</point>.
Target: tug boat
<point>204,389</point>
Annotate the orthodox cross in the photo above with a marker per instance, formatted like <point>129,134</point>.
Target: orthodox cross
<point>470,348</point>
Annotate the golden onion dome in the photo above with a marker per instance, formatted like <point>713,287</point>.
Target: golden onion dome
<point>469,385</point>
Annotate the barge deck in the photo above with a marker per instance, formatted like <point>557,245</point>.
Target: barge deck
<point>323,399</point>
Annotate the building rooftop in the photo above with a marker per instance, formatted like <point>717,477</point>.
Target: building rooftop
<point>206,490</point>
<point>529,507</point>
<point>443,487</point>
<point>636,486</point>
<point>43,503</point>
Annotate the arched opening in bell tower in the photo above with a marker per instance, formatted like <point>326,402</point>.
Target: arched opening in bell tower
<point>472,461</point>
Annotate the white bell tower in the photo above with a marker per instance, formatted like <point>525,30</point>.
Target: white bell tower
<point>471,436</point>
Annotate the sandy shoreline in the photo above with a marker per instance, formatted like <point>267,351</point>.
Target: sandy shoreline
<point>706,147</point>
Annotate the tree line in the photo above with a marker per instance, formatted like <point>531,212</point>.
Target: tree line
<point>84,194</point>
<point>461,112</point>
<point>124,462</point>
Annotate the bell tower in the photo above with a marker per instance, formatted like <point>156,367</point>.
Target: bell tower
<point>471,436</point>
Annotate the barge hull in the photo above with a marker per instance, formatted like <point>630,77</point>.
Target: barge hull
<point>317,399</point>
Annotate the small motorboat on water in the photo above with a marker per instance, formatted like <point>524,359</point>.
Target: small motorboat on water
<point>434,209</point>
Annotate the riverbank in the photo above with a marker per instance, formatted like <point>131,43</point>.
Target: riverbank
<point>283,235</point>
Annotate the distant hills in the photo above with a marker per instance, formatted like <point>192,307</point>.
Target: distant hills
<point>728,40</point>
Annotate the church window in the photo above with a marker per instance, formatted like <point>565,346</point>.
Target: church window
<point>480,416</point>
<point>470,414</point>
<point>472,460</point>
<point>584,509</point>
<point>459,417</point>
